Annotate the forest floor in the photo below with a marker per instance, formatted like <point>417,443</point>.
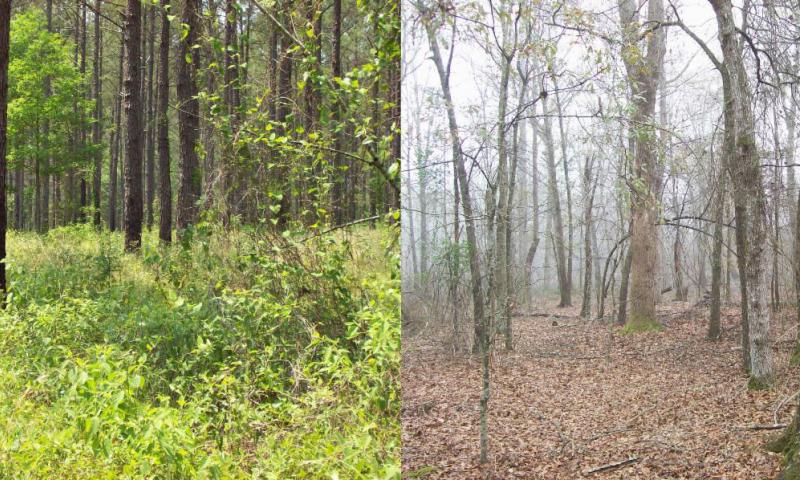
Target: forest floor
<point>575,396</point>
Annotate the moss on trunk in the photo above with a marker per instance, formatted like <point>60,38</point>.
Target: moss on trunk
<point>787,442</point>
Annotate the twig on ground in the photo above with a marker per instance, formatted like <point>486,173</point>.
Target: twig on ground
<point>611,466</point>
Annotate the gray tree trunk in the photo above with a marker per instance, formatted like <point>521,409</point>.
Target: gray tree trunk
<point>555,208</point>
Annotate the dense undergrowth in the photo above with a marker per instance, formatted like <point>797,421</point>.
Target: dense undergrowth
<point>233,355</point>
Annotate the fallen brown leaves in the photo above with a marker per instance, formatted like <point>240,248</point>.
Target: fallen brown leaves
<point>570,401</point>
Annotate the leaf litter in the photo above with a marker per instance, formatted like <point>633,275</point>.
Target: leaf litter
<point>579,399</point>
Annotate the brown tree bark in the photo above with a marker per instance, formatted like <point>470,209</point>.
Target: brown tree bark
<point>622,313</point>
<point>133,126</point>
<point>165,181</point>
<point>284,108</point>
<point>84,194</point>
<point>149,165</point>
<point>336,116</point>
<point>716,262</point>
<point>643,72</point>
<point>46,134</point>
<point>207,135</point>
<point>97,128</point>
<point>5,28</point>
<point>188,118</point>
<point>231,180</point>
<point>115,147</point>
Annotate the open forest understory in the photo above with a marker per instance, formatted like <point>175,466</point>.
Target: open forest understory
<point>580,399</point>
<point>601,239</point>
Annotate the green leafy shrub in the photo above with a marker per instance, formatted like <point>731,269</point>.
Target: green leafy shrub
<point>238,355</point>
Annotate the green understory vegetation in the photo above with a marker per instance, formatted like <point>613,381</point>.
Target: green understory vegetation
<point>631,327</point>
<point>232,354</point>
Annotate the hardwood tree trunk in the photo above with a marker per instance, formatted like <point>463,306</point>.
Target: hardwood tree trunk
<point>622,313</point>
<point>556,215</point>
<point>481,338</point>
<point>567,186</point>
<point>501,246</point>
<point>588,199</point>
<point>716,262</point>
<point>643,73</point>
<point>529,258</point>
<point>750,199</point>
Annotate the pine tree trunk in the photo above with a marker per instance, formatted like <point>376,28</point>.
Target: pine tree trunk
<point>231,178</point>
<point>336,116</point>
<point>46,134</point>
<point>165,181</point>
<point>97,131</point>
<point>149,168</point>
<point>283,110</point>
<point>211,176</point>
<point>115,147</point>
<point>84,194</point>
<point>5,27</point>
<point>188,118</point>
<point>133,126</point>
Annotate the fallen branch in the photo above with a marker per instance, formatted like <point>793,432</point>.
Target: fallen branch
<point>776,426</point>
<point>543,314</point>
<point>344,225</point>
<point>611,466</point>
<point>780,405</point>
